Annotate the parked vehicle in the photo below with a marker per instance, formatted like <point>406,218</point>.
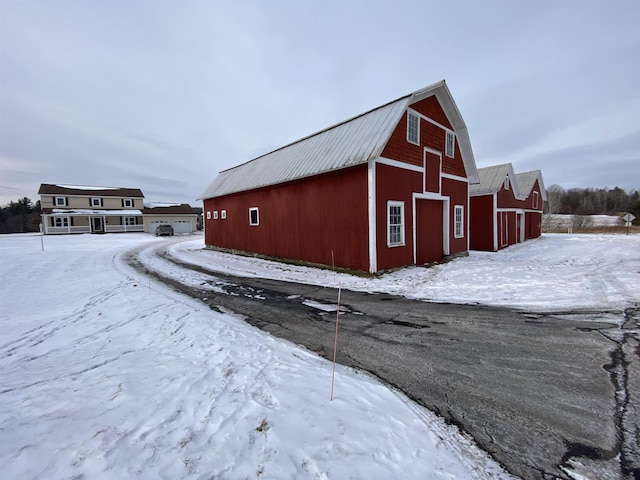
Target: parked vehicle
<point>164,230</point>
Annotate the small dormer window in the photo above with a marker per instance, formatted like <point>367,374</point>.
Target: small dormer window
<point>506,183</point>
<point>127,202</point>
<point>96,202</point>
<point>413,128</point>
<point>449,147</point>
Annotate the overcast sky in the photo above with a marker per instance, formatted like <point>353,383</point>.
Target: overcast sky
<point>162,95</point>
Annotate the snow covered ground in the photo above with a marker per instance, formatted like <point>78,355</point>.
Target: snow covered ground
<point>105,375</point>
<point>555,272</point>
<point>108,375</point>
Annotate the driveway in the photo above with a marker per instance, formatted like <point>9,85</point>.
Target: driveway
<point>539,392</point>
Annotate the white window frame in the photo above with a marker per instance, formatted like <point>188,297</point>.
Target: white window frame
<point>223,214</point>
<point>536,200</point>
<point>60,221</point>
<point>215,214</point>
<point>506,182</point>
<point>450,146</point>
<point>410,116</point>
<point>127,202</point>
<point>60,201</point>
<point>96,202</point>
<point>251,222</point>
<point>458,221</point>
<point>208,215</point>
<point>395,238</point>
<point>129,221</point>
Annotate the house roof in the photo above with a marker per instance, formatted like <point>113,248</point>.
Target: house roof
<point>181,209</point>
<point>62,212</point>
<point>82,190</point>
<point>492,179</point>
<point>352,142</point>
<point>526,181</point>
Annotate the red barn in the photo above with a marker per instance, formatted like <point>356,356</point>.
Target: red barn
<point>506,208</point>
<point>385,189</point>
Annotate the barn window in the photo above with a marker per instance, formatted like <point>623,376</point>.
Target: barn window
<point>458,217</point>
<point>449,147</point>
<point>395,223</point>
<point>413,128</point>
<point>215,214</point>
<point>223,214</point>
<point>506,183</point>
<point>254,218</point>
<point>536,200</point>
<point>61,201</point>
<point>208,215</point>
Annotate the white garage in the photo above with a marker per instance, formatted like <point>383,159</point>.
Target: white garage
<point>182,226</point>
<point>182,217</point>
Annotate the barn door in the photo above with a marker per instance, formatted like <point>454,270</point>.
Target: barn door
<point>429,231</point>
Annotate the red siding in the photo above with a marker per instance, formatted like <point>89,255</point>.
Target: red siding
<point>458,193</point>
<point>431,136</point>
<point>395,184</point>
<point>481,223</point>
<point>304,220</point>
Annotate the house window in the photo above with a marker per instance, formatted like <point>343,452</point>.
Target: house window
<point>61,201</point>
<point>215,214</point>
<point>96,202</point>
<point>61,221</point>
<point>223,214</point>
<point>458,217</point>
<point>208,215</point>
<point>127,202</point>
<point>254,219</point>
<point>129,220</point>
<point>450,144</point>
<point>506,183</point>
<point>413,128</point>
<point>536,200</point>
<point>395,223</point>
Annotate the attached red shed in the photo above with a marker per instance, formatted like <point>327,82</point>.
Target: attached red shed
<point>505,207</point>
<point>385,189</point>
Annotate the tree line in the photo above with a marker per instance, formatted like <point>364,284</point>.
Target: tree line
<point>20,217</point>
<point>592,201</point>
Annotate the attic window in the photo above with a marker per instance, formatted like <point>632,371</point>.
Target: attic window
<point>506,183</point>
<point>449,147</point>
<point>413,128</point>
<point>61,201</point>
<point>536,200</point>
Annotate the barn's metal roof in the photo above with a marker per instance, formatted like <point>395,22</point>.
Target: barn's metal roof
<point>352,142</point>
<point>492,179</point>
<point>526,181</point>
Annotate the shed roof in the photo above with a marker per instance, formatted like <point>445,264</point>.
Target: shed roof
<point>526,181</point>
<point>352,142</point>
<point>81,190</point>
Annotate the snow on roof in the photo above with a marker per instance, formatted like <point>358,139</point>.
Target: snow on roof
<point>352,142</point>
<point>86,187</point>
<point>160,204</point>
<point>106,213</point>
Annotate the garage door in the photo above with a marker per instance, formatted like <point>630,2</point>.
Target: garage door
<point>182,226</point>
<point>154,224</point>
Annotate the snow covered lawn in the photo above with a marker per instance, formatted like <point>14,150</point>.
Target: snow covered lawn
<point>104,377</point>
<point>555,272</point>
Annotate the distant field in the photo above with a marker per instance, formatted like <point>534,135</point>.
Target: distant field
<point>556,223</point>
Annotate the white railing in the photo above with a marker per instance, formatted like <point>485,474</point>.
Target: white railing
<point>63,230</point>
<point>124,228</point>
